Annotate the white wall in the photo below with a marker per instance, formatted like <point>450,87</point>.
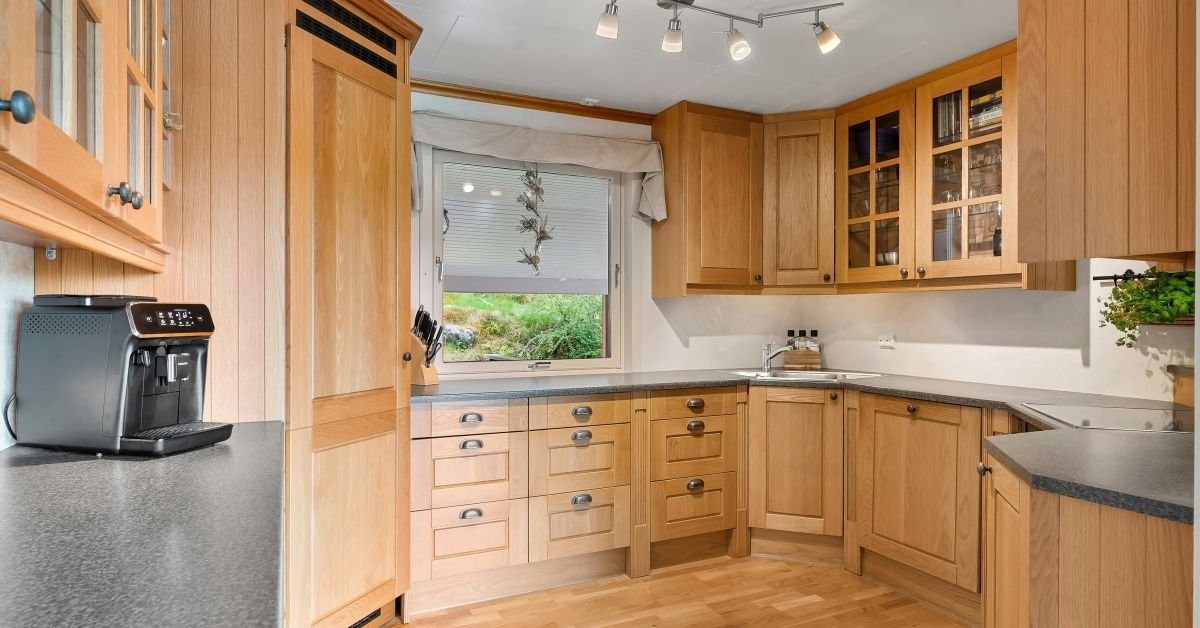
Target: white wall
<point>16,292</point>
<point>1014,337</point>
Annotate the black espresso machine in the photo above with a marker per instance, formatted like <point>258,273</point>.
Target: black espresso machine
<point>114,374</point>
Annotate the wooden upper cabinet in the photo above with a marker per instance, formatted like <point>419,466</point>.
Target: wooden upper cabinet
<point>1107,135</point>
<point>875,191</point>
<point>798,200</point>
<point>966,172</point>
<point>712,237</point>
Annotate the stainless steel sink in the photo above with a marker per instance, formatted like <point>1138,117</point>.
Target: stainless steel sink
<point>779,375</point>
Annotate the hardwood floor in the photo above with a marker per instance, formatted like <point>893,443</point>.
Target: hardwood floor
<point>752,591</point>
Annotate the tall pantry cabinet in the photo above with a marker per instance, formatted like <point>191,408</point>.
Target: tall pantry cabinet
<point>347,294</point>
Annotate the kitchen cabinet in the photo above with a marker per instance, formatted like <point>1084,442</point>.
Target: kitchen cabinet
<point>711,240</point>
<point>918,489</point>
<point>1107,135</point>
<point>796,460</point>
<point>798,200</point>
<point>348,449</point>
<point>875,191</point>
<point>1006,549</point>
<point>966,172</point>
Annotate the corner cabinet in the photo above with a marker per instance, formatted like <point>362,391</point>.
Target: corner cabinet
<point>347,491</point>
<point>81,133</point>
<point>1108,129</point>
<point>798,200</point>
<point>711,240</point>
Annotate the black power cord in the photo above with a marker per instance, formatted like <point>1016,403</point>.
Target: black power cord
<point>7,405</point>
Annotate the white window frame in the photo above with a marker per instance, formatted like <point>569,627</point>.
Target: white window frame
<point>428,247</point>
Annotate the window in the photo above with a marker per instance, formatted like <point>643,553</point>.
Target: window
<point>500,314</point>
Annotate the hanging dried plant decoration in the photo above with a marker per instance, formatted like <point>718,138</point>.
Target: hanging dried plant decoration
<point>535,221</point>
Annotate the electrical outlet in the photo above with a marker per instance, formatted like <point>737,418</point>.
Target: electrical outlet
<point>887,341</point>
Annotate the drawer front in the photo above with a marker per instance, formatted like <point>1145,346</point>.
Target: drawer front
<point>462,418</point>
<point>468,538</point>
<point>697,446</point>
<point>469,469</point>
<point>576,459</point>
<point>692,402</point>
<point>578,410</point>
<point>678,511</point>
<point>580,522</point>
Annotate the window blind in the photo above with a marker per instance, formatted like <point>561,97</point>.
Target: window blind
<point>481,248</point>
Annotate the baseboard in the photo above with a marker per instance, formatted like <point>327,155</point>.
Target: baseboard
<point>443,593</point>
<point>949,598</point>
<point>689,549</point>
<point>816,549</point>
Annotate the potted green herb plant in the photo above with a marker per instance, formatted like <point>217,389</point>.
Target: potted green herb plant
<point>1154,298</point>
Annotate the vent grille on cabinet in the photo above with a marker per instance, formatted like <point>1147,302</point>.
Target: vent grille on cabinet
<point>355,23</point>
<point>351,47</point>
<point>64,324</point>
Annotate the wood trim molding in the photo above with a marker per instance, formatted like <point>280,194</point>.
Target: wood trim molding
<point>991,54</point>
<point>509,99</point>
<point>799,116</point>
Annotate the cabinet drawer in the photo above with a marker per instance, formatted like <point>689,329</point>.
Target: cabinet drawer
<point>467,538</point>
<point>573,523</point>
<point>460,418</point>
<point>692,402</point>
<point>688,447</point>
<point>469,469</point>
<point>677,511</point>
<point>576,459</point>
<point>577,410</point>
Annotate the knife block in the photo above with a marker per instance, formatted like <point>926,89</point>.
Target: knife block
<point>422,375</point>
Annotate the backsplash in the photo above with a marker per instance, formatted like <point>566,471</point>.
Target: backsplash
<point>16,292</point>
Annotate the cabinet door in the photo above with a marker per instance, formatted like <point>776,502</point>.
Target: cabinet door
<point>918,487</point>
<point>966,173</point>
<point>875,192</point>
<point>724,192</point>
<point>796,460</point>
<point>57,52</point>
<point>136,140</point>
<point>1006,550</point>
<point>348,395</point>
<point>798,232</point>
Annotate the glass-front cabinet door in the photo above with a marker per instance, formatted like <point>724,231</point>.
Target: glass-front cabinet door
<point>966,167</point>
<point>139,143</point>
<point>874,192</point>
<point>52,106</point>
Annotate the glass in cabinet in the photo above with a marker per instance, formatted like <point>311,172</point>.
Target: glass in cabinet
<point>138,168</point>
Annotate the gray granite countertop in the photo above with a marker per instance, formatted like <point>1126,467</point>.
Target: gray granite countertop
<point>1108,474</point>
<point>193,539</point>
<point>1145,472</point>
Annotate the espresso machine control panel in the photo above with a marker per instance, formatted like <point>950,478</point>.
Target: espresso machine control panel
<point>152,320</point>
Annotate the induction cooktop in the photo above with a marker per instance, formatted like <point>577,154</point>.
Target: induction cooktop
<point>1130,419</point>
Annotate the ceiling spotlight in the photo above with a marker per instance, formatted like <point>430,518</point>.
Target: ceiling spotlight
<point>827,40</point>
<point>468,187</point>
<point>739,48</point>
<point>496,193</point>
<point>673,37</point>
<point>607,26</point>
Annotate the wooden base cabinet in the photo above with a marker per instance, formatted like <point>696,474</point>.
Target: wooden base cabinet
<point>796,460</point>
<point>918,488</point>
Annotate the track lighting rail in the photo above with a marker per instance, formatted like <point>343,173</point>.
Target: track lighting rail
<point>762,17</point>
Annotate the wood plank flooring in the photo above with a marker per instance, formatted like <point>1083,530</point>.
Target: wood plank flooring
<point>752,591</point>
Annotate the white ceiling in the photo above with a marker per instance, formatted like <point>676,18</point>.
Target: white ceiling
<point>549,48</point>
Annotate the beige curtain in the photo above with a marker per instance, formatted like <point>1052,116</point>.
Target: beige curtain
<point>524,144</point>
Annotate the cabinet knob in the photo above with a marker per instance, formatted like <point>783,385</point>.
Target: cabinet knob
<point>758,279</point>
<point>407,357</point>
<point>135,201</point>
<point>912,408</point>
<point>470,444</point>
<point>695,403</point>
<point>582,499</point>
<point>920,271</point>
<point>470,513</point>
<point>471,417</point>
<point>21,106</point>
<point>127,195</point>
<point>696,484</point>
<point>833,396</point>
<point>904,273</point>
<point>983,469</point>
<point>581,412</point>
<point>584,436</point>
<point>695,426</point>
<point>826,277</point>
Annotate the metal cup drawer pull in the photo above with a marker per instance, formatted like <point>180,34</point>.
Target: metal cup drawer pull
<point>582,499</point>
<point>470,513</point>
<point>470,444</point>
<point>584,436</point>
<point>695,426</point>
<point>695,403</point>
<point>695,485</point>
<point>582,412</point>
<point>471,417</point>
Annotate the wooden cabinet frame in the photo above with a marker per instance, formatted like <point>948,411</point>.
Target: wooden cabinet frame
<point>798,202</point>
